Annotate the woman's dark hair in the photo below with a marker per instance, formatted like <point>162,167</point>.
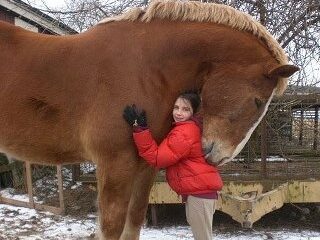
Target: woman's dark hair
<point>193,97</point>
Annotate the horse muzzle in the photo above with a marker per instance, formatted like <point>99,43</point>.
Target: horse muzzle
<point>214,154</point>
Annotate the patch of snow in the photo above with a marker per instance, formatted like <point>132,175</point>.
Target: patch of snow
<point>28,224</point>
<point>269,159</point>
<point>87,168</point>
<point>71,227</point>
<point>10,193</point>
<point>77,185</point>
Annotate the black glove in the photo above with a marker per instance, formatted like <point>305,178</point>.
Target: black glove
<point>135,117</point>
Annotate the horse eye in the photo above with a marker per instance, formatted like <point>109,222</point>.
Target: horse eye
<point>267,76</point>
<point>258,102</point>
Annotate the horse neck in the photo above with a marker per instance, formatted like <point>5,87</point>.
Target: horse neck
<point>182,53</point>
<point>169,57</point>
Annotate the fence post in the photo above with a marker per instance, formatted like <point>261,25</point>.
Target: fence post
<point>264,147</point>
<point>29,183</point>
<point>60,188</point>
<point>301,127</point>
<point>316,131</point>
<point>75,173</point>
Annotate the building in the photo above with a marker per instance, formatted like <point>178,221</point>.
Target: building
<point>22,14</point>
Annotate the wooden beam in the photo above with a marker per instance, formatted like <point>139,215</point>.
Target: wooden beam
<point>29,183</point>
<point>31,203</point>
<point>75,172</point>
<point>154,218</point>
<point>37,206</point>
<point>60,187</point>
<point>301,128</point>
<point>263,125</point>
<point>15,202</point>
<point>316,126</point>
<point>55,210</point>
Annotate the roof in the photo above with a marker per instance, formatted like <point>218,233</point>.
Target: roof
<point>302,90</point>
<point>36,17</point>
<point>298,97</point>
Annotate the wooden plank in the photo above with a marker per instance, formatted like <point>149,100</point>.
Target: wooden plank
<point>162,193</point>
<point>298,191</point>
<point>37,206</point>
<point>311,192</point>
<point>251,206</point>
<point>15,202</point>
<point>88,178</point>
<point>6,16</point>
<point>52,209</point>
<point>75,173</point>
<point>29,182</point>
<point>301,126</point>
<point>31,203</point>
<point>60,187</point>
<point>316,126</point>
<point>263,147</point>
<point>154,217</point>
<point>304,191</point>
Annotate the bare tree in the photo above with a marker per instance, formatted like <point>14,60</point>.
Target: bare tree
<point>86,13</point>
<point>82,14</point>
<point>295,24</point>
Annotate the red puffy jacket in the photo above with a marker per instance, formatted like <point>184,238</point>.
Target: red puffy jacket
<point>181,154</point>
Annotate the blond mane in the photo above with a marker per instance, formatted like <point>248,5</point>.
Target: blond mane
<point>207,12</point>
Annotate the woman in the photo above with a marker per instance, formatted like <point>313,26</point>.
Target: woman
<point>180,153</point>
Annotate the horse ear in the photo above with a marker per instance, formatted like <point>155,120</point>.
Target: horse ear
<point>283,71</point>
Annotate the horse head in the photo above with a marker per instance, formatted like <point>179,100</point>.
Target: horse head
<point>232,113</point>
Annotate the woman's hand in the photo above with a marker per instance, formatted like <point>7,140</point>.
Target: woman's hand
<point>135,117</point>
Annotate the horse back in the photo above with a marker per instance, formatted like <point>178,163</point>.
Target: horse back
<point>43,98</point>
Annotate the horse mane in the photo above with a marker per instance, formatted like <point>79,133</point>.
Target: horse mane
<point>177,10</point>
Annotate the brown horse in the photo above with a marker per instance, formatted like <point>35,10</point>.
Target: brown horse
<point>61,98</point>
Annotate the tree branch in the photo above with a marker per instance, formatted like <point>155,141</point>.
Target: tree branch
<point>298,30</point>
<point>294,23</point>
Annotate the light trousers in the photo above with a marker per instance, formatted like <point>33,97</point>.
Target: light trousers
<point>199,213</point>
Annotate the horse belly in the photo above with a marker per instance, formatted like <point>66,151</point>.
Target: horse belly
<point>28,137</point>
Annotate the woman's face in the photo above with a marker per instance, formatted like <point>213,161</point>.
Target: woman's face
<point>182,110</point>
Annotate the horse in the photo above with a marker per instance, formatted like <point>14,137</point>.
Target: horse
<point>62,97</point>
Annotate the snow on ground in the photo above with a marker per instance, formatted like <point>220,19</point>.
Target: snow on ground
<point>10,193</point>
<point>269,159</point>
<point>28,224</point>
<point>18,223</point>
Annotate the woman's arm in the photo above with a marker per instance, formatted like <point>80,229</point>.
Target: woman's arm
<point>174,147</point>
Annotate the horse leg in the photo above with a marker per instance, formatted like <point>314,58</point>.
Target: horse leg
<point>114,180</point>
<point>139,200</point>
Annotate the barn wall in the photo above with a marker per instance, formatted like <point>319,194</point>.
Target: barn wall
<point>19,22</point>
<point>6,16</point>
